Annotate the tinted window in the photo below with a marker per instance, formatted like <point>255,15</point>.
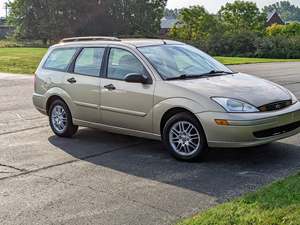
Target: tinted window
<point>122,63</point>
<point>89,61</point>
<point>59,59</point>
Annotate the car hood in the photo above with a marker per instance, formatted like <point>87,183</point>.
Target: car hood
<point>251,89</point>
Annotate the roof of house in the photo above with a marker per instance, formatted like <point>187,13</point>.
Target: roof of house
<point>273,14</point>
<point>3,24</point>
<point>2,20</point>
<point>168,23</point>
<point>270,15</point>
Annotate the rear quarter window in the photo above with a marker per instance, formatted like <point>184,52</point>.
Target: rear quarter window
<point>59,59</point>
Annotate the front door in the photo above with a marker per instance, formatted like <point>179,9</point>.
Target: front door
<point>123,104</point>
<point>82,83</point>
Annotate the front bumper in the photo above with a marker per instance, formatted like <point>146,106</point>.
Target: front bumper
<point>250,129</point>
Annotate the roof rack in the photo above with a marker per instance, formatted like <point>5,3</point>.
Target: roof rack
<point>92,38</point>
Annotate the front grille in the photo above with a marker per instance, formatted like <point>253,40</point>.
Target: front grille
<point>277,130</point>
<point>275,106</point>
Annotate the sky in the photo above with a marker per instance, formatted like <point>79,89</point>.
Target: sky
<point>214,5</point>
<point>211,5</point>
<point>2,10</point>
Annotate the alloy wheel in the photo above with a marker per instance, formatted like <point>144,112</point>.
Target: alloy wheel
<point>59,118</point>
<point>184,138</point>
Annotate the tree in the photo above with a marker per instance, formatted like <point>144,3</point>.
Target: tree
<point>289,30</point>
<point>195,23</point>
<point>242,15</point>
<point>55,19</point>
<point>287,11</point>
<point>49,20</point>
<point>137,16</point>
<point>172,13</point>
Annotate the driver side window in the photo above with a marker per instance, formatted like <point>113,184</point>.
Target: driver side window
<point>122,63</point>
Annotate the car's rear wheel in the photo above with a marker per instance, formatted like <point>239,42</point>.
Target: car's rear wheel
<point>60,119</point>
<point>184,137</point>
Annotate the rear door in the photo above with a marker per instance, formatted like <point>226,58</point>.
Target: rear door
<point>82,83</point>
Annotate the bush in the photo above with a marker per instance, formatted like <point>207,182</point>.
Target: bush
<point>238,30</point>
<point>289,30</point>
<point>11,43</point>
<point>249,44</point>
<point>234,44</point>
<point>279,47</point>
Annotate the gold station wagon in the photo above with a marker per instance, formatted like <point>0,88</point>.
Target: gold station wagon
<point>163,90</point>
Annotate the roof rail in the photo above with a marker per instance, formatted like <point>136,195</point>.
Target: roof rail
<point>92,38</point>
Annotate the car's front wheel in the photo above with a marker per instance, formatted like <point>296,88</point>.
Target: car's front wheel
<point>184,137</point>
<point>60,119</point>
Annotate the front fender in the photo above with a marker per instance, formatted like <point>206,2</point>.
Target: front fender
<point>162,107</point>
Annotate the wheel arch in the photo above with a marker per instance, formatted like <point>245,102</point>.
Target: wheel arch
<point>178,114</point>
<point>51,99</point>
<point>164,110</point>
<point>58,93</point>
<point>170,113</point>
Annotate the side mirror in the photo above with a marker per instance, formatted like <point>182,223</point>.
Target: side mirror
<point>137,78</point>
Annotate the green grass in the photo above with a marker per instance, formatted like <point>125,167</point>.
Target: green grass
<point>11,43</point>
<point>25,60</point>
<point>20,60</point>
<point>239,60</point>
<point>277,204</point>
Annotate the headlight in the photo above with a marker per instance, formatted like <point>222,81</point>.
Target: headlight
<point>294,99</point>
<point>235,106</point>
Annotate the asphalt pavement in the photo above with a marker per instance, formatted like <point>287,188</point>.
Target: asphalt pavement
<point>109,179</point>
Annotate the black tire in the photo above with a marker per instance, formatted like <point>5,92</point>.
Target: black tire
<point>199,152</point>
<point>70,129</point>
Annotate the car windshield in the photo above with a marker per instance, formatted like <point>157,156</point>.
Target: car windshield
<point>182,61</point>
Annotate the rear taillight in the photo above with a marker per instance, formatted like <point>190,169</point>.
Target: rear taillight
<point>34,81</point>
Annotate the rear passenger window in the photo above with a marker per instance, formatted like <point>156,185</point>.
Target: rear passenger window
<point>59,59</point>
<point>89,62</point>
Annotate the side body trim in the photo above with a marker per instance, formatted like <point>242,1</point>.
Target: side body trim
<point>118,130</point>
<point>123,111</point>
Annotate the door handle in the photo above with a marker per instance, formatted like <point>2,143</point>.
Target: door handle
<point>110,87</point>
<point>72,80</point>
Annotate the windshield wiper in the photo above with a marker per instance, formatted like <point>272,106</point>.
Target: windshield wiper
<point>183,77</point>
<point>211,73</point>
<point>216,72</point>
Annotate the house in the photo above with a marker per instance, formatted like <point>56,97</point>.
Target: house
<point>167,23</point>
<point>5,30</point>
<point>274,18</point>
